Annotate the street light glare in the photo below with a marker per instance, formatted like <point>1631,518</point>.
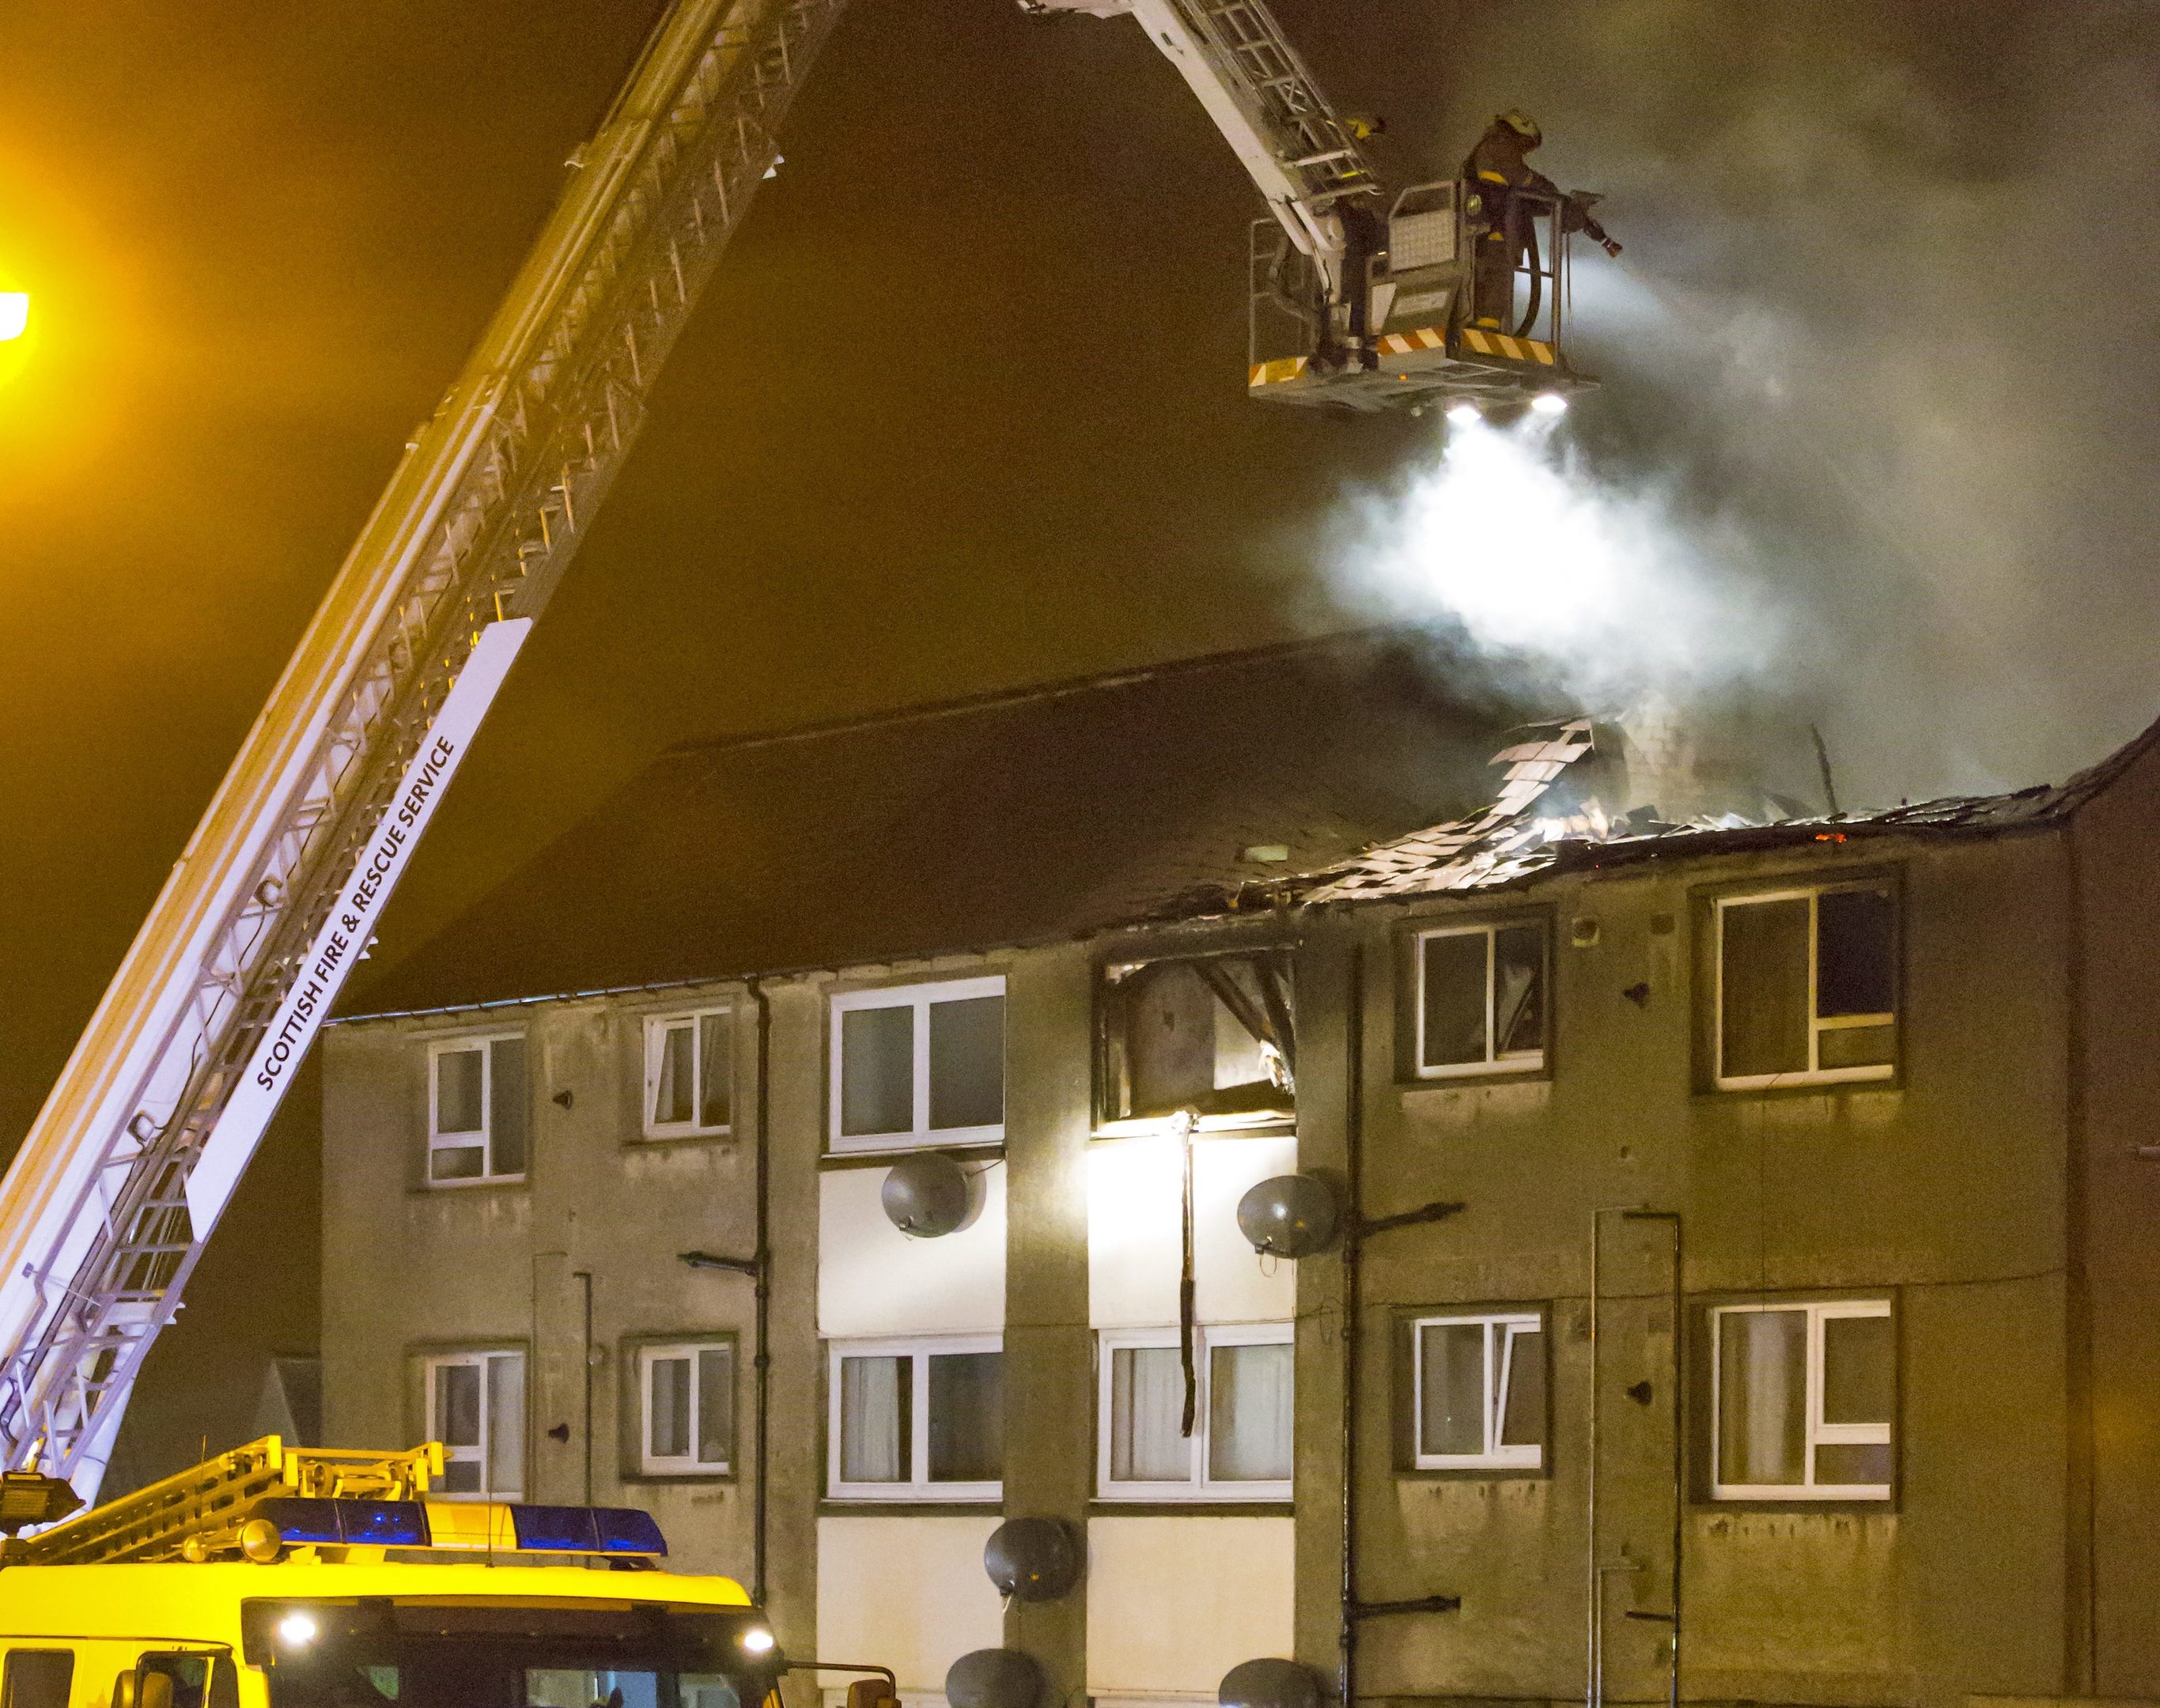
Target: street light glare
<point>14,314</point>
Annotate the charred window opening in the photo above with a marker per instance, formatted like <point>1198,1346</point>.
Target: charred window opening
<point>1211,1035</point>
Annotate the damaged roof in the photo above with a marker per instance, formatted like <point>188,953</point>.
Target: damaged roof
<point>1534,828</point>
<point>1004,819</point>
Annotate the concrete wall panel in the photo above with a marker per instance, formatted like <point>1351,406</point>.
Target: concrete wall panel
<point>1173,1603</point>
<point>872,1279</point>
<point>909,1593</point>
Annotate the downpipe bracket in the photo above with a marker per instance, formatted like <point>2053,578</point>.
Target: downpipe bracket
<point>1420,1604</point>
<point>1365,1227</point>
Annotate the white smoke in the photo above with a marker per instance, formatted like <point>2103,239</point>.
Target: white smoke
<point>1563,582</point>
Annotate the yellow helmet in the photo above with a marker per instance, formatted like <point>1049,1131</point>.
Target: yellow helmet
<point>1522,124</point>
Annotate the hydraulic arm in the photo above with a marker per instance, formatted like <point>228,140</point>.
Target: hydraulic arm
<point>123,1175</point>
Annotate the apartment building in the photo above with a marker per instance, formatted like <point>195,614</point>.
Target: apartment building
<point>1748,1230</point>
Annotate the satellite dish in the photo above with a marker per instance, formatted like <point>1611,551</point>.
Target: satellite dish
<point>1268,1684</point>
<point>927,1195</point>
<point>994,1678</point>
<point>1292,1215</point>
<point>1032,1560</point>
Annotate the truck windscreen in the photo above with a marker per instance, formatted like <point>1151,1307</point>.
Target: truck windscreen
<point>395,1655</point>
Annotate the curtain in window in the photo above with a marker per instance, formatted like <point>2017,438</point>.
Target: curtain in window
<point>668,1388</point>
<point>874,1417</point>
<point>1249,1407</point>
<point>1762,1386</point>
<point>1147,1412</point>
<point>715,1066</point>
<point>671,1096</point>
<point>716,1405</point>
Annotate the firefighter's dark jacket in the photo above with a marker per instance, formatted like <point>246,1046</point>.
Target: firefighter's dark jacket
<point>1497,166</point>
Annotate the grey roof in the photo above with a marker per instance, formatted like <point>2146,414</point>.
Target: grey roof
<point>1004,819</point>
<point>1532,829</point>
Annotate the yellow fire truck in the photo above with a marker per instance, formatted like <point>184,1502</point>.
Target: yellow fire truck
<point>282,1577</point>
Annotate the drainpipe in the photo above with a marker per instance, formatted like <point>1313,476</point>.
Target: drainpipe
<point>760,1499</point>
<point>1354,1151</point>
<point>586,1276</point>
<point>1679,1440</point>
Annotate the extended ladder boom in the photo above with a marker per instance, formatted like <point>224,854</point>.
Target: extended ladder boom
<point>124,1174</point>
<point>1299,153</point>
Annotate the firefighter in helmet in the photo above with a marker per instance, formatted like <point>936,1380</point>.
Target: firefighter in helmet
<point>1497,170</point>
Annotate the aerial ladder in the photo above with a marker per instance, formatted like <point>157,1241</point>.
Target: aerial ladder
<point>136,1152</point>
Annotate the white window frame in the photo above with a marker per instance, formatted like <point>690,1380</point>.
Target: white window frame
<point>689,1464</point>
<point>1819,1433</point>
<point>1503,1328</point>
<point>1817,1025</point>
<point>480,1360</point>
<point>922,998</point>
<point>1199,1486</point>
<point>917,1350</point>
<point>438,1140</point>
<point>1512,1061</point>
<point>657,1027</point>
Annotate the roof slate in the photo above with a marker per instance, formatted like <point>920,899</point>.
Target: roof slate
<point>980,823</point>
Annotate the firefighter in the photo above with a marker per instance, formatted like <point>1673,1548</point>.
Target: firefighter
<point>1498,168</point>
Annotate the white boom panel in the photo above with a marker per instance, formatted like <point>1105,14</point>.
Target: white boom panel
<point>137,1150</point>
<point>121,1179</point>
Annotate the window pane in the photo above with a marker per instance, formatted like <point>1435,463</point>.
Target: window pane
<point>1147,1414</point>
<point>1454,999</point>
<point>38,1678</point>
<point>1855,936</point>
<point>1855,1047</point>
<point>967,1417</point>
<point>1765,948</point>
<point>1762,1393</point>
<point>1452,1372</point>
<point>509,1107</point>
<point>456,1162</point>
<point>715,1070</point>
<point>671,1088</point>
<point>457,1404</point>
<point>1523,1407</point>
<point>505,1424</point>
<point>716,1405</point>
<point>461,1477</point>
<point>1249,1406</point>
<point>1848,1463</point>
<point>667,1384</point>
<point>874,1417</point>
<point>457,1090</point>
<point>877,1070</point>
<point>967,1062</point>
<point>1519,989</point>
<point>1858,1363</point>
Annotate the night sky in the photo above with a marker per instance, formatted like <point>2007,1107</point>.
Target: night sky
<point>965,408</point>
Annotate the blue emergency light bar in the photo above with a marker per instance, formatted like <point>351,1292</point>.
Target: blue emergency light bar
<point>403,1524</point>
